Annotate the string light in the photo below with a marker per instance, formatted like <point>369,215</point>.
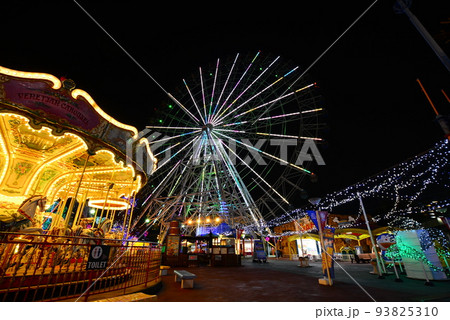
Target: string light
<point>404,184</point>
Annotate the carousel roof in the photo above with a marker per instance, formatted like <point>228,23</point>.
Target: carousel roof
<point>53,136</point>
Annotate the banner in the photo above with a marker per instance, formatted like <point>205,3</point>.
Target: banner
<point>323,215</point>
<point>258,250</point>
<point>328,244</point>
<point>304,225</point>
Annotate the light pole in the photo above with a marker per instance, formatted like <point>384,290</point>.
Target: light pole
<point>401,7</point>
<point>374,244</point>
<point>315,202</point>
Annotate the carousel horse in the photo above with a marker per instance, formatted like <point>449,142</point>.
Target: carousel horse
<point>23,220</point>
<point>72,247</point>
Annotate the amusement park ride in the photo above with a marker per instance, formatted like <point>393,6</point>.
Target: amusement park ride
<point>58,144</point>
<point>219,147</point>
<point>230,149</point>
<point>64,174</point>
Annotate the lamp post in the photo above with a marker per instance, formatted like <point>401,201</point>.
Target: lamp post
<point>374,244</point>
<point>402,7</point>
<point>315,202</point>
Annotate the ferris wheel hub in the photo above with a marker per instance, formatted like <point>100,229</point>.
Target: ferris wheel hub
<point>208,127</point>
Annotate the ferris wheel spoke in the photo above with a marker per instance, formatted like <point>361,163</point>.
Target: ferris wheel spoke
<point>269,134</point>
<point>174,137</point>
<point>266,154</point>
<point>225,114</point>
<point>286,115</point>
<point>183,107</point>
<point>238,82</point>
<point>284,118</point>
<point>167,149</point>
<point>221,116</point>
<point>254,172</point>
<point>239,183</point>
<point>262,105</point>
<point>213,91</point>
<point>296,91</point>
<point>176,153</point>
<point>161,183</point>
<point>219,121</point>
<point>203,95</point>
<point>226,83</point>
<point>173,128</point>
<point>193,100</point>
<point>286,136</point>
<point>271,103</point>
<point>180,176</point>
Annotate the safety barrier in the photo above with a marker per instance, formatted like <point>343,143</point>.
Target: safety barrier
<point>49,268</point>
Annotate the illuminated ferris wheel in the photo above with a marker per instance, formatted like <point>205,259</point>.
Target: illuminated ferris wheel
<point>228,146</point>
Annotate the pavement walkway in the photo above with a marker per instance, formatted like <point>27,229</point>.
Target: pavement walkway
<point>282,280</point>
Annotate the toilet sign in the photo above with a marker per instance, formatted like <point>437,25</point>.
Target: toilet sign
<point>98,257</point>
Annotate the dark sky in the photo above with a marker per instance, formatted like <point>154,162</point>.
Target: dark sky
<point>377,114</point>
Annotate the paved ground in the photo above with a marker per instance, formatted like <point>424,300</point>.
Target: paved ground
<point>281,280</point>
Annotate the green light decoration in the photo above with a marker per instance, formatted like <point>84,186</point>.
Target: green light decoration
<point>400,249</point>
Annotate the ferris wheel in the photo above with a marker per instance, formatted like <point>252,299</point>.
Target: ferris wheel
<point>228,144</point>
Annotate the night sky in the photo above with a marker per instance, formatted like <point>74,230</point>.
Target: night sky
<point>377,114</point>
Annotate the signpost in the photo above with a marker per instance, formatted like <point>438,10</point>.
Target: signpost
<point>258,252</point>
<point>319,218</point>
<point>98,257</point>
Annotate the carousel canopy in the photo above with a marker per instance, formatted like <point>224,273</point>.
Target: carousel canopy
<point>57,142</point>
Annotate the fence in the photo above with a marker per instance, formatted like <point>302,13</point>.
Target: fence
<point>51,268</point>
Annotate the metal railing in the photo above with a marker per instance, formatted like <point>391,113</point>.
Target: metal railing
<point>50,268</point>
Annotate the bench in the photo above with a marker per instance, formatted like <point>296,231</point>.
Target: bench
<point>366,257</point>
<point>163,270</point>
<point>186,278</point>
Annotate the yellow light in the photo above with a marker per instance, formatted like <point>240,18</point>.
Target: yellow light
<point>217,219</point>
<point>13,199</point>
<point>198,220</point>
<point>78,92</point>
<point>208,220</point>
<point>189,222</point>
<point>149,152</point>
<point>32,75</point>
<point>111,204</point>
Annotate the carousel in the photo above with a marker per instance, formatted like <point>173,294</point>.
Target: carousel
<point>69,173</point>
